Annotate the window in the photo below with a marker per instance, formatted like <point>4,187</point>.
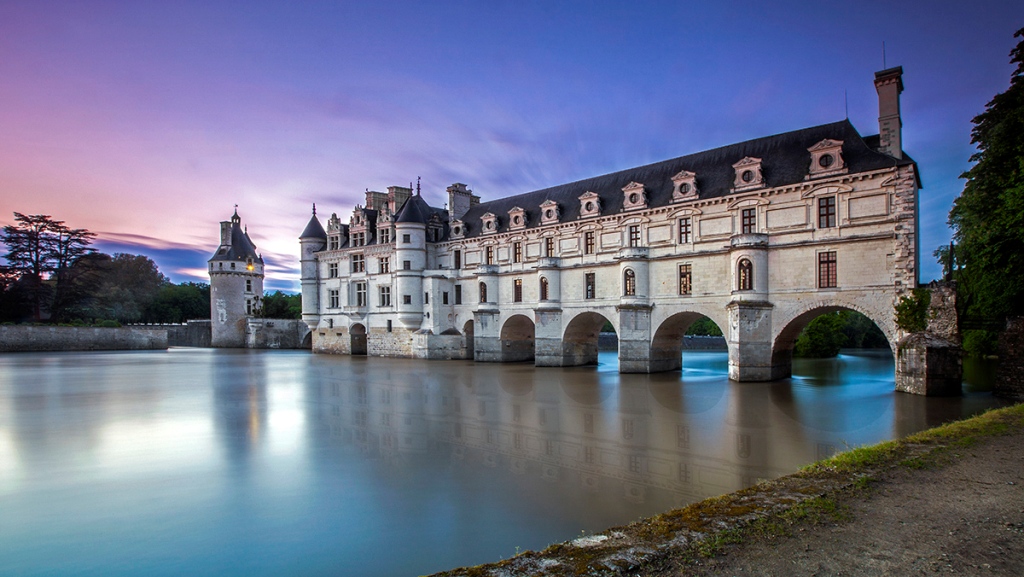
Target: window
<point>458,294</point>
<point>248,307</point>
<point>426,298</point>
<point>588,242</point>
<point>827,270</point>
<point>406,299</point>
<point>457,260</point>
<point>332,298</point>
<point>406,265</point>
<point>685,229</point>
<point>826,212</point>
<point>385,296</point>
<point>629,283</point>
<point>444,297</point>
<point>489,255</point>
<point>517,290</point>
<point>358,238</point>
<point>517,252</point>
<point>358,263</point>
<point>389,330</point>
<point>745,274</point>
<point>385,235</point>
<point>232,266</point>
<point>634,463</point>
<point>634,235</point>
<point>685,280</point>
<point>385,264</point>
<point>549,246</point>
<point>543,289</point>
<point>406,239</point>
<point>334,243</point>
<point>332,270</point>
<point>749,221</point>
<point>360,294</point>
<point>590,282</point>
<point>483,292</point>
<point>248,285</point>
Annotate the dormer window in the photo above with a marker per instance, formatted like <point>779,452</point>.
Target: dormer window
<point>590,204</point>
<point>549,212</point>
<point>748,174</point>
<point>826,158</point>
<point>633,196</point>
<point>489,222</point>
<point>684,186</point>
<point>458,229</point>
<point>516,218</point>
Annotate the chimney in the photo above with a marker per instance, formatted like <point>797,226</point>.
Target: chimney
<point>460,199</point>
<point>889,84</point>
<point>225,233</point>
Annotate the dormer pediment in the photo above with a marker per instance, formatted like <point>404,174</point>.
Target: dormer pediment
<point>634,196</point>
<point>748,174</point>
<point>826,158</point>
<point>458,229</point>
<point>684,186</point>
<point>517,218</point>
<point>549,212</point>
<point>590,204</point>
<point>489,223</point>
<point>333,224</point>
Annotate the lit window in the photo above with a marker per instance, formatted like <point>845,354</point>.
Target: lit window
<point>588,242</point>
<point>827,277</point>
<point>685,229</point>
<point>549,246</point>
<point>483,292</point>
<point>685,280</point>
<point>543,289</point>
<point>827,212</point>
<point>745,273</point>
<point>634,235</point>
<point>517,291</point>
<point>489,255</point>
<point>629,283</point>
<point>517,252</point>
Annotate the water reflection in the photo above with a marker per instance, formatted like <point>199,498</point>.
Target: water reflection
<point>263,463</point>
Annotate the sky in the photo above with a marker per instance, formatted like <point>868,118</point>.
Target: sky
<point>148,121</point>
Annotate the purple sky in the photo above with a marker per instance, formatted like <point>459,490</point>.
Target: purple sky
<point>147,121</point>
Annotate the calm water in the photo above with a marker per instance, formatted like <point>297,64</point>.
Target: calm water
<point>202,462</point>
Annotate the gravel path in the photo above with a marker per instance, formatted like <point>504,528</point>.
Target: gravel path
<point>965,518</point>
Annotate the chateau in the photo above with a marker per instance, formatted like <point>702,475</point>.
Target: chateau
<point>760,236</point>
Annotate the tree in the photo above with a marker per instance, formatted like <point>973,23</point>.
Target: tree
<point>177,303</point>
<point>129,285</point>
<point>278,305</point>
<point>37,245</point>
<point>822,337</point>
<point>988,217</point>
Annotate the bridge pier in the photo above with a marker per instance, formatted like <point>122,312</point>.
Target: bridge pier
<point>750,341</point>
<point>635,338</point>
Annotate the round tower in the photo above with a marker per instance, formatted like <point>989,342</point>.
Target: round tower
<point>411,259</point>
<point>236,284</point>
<point>312,240</point>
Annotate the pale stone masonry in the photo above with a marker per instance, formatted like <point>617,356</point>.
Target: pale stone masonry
<point>760,236</point>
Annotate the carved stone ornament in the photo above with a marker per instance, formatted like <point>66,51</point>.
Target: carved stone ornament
<point>458,229</point>
<point>826,158</point>
<point>590,204</point>
<point>748,174</point>
<point>489,222</point>
<point>516,218</point>
<point>549,213</point>
<point>634,196</point>
<point>684,186</point>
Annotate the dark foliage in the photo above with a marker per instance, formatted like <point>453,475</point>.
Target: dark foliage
<point>279,305</point>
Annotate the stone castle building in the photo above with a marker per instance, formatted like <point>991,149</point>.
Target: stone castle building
<point>760,236</point>
<point>236,284</point>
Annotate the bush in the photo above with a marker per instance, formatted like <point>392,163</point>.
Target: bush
<point>912,311</point>
<point>980,343</point>
<point>109,324</point>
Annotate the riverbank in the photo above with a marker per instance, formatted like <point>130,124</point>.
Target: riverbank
<point>949,499</point>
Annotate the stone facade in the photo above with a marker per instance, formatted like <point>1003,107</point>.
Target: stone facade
<point>25,338</point>
<point>1009,380</point>
<point>760,236</point>
<point>236,284</point>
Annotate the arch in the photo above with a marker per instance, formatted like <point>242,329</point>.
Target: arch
<point>744,275</point>
<point>307,340</point>
<point>517,337</point>
<point>544,290</point>
<point>467,335</point>
<point>580,341</point>
<point>357,333</point>
<point>483,292</point>
<point>668,341</point>
<point>784,341</point>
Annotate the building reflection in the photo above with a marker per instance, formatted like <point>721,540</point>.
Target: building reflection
<point>671,438</point>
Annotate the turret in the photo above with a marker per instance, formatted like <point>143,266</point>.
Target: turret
<point>236,284</point>
<point>411,259</point>
<point>312,240</point>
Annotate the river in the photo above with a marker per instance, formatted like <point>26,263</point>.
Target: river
<point>216,462</point>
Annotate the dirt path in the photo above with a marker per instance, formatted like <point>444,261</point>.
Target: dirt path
<point>966,517</point>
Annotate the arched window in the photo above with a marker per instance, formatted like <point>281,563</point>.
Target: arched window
<point>745,275</point>
<point>629,283</point>
<point>543,289</point>
<point>483,292</point>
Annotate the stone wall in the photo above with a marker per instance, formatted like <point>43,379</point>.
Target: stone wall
<point>1010,374</point>
<point>610,342</point>
<point>276,334</point>
<point>23,338</point>
<point>190,334</point>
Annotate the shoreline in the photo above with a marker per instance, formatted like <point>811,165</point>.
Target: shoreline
<point>694,539</point>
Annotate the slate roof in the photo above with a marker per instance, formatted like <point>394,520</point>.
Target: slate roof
<point>314,229</point>
<point>415,210</point>
<point>785,160</point>
<point>242,247</point>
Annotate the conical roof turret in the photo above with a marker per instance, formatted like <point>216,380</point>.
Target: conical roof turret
<point>313,230</point>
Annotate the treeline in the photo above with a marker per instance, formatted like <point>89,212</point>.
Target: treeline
<point>52,275</point>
